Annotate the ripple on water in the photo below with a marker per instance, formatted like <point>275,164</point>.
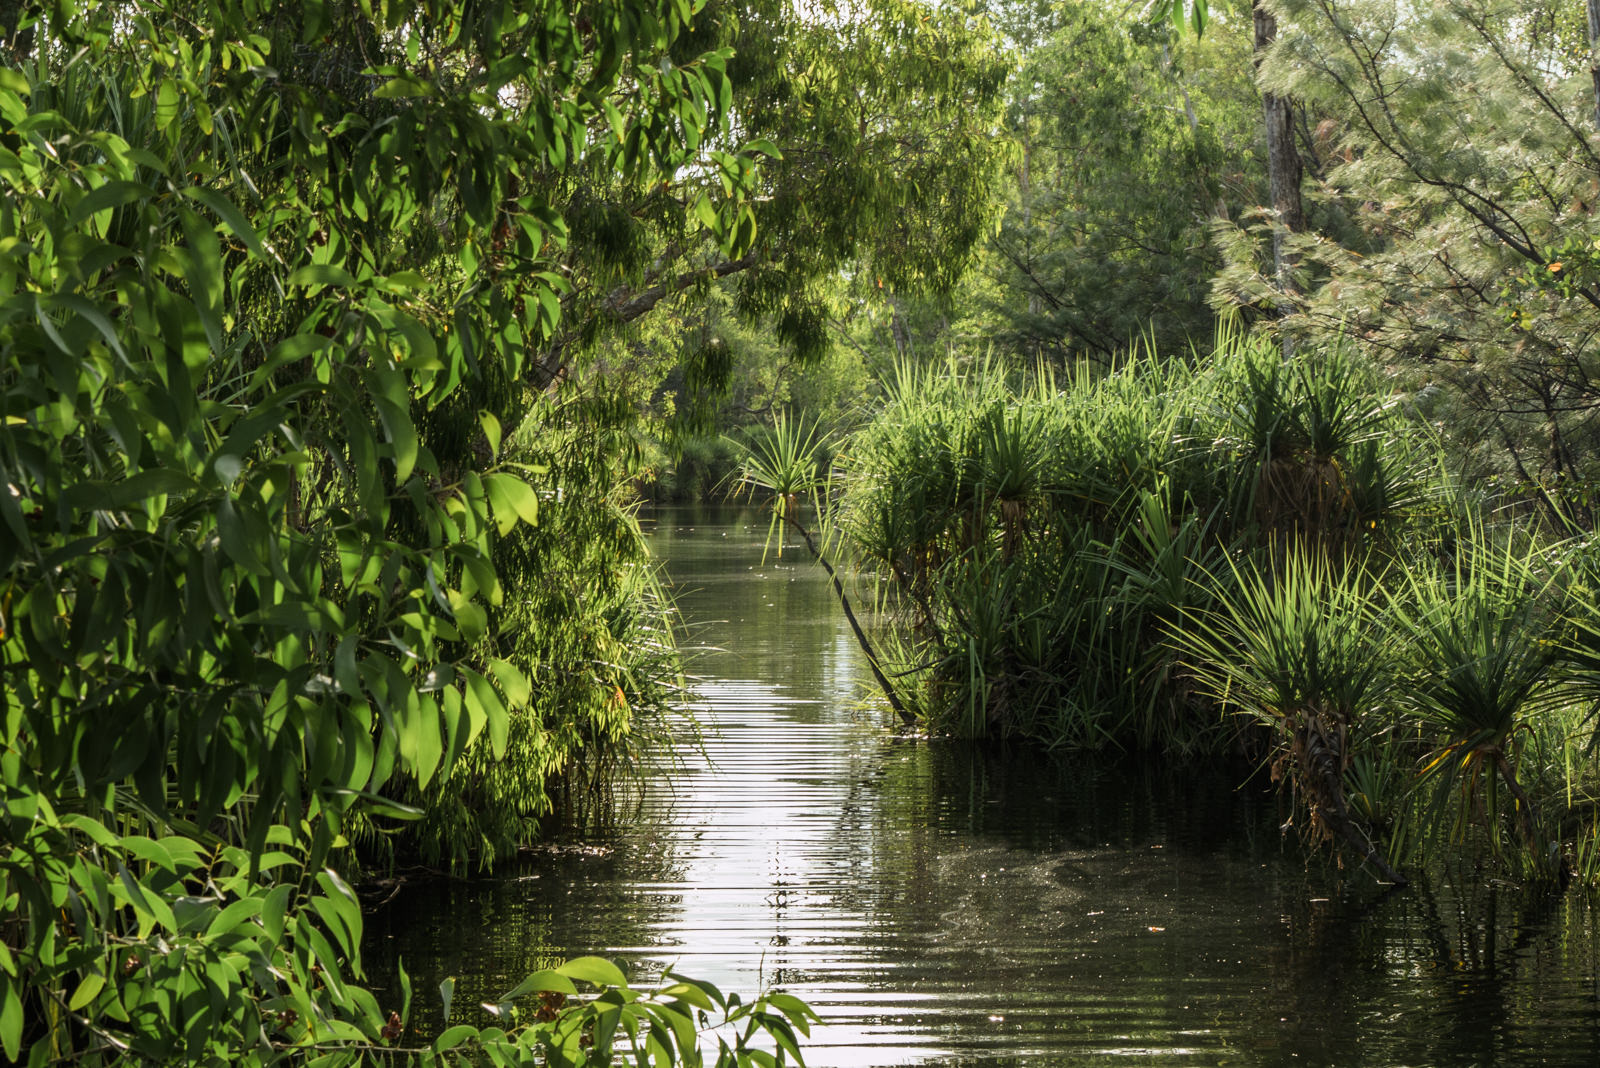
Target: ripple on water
<point>937,905</point>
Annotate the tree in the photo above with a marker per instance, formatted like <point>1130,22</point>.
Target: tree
<point>1462,148</point>
<point>1283,161</point>
<point>877,120</point>
<point>1120,168</point>
<point>244,250</point>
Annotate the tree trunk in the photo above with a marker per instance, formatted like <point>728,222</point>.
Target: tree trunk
<point>1283,159</point>
<point>1594,42</point>
<point>18,43</point>
<point>1527,817</point>
<point>1320,752</point>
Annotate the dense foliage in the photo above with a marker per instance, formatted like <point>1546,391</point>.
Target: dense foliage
<point>1045,539</point>
<point>274,275</point>
<point>1350,525</point>
<point>1233,555</point>
<point>1130,139</point>
<point>335,338</point>
<point>1463,147</point>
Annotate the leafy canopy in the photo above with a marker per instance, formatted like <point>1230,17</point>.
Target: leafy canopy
<point>244,245</point>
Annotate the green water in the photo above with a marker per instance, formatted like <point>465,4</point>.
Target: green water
<point>938,906</point>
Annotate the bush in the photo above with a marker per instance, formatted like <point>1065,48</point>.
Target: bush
<point>1043,538</point>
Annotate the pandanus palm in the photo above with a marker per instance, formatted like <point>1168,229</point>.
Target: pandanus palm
<point>1313,425</point>
<point>1478,631</point>
<point>1293,647</point>
<point>786,463</point>
<point>783,461</point>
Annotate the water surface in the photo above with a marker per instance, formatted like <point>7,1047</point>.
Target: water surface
<point>937,905</point>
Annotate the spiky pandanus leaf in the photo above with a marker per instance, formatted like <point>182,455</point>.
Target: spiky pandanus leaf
<point>1294,647</point>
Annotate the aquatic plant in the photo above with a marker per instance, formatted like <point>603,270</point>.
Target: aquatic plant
<point>1038,533</point>
<point>1330,458</point>
<point>784,461</point>
<point>1479,629</point>
<point>1292,645</point>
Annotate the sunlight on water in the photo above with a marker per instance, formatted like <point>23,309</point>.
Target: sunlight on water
<point>940,906</point>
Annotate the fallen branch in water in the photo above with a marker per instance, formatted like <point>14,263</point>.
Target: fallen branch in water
<point>907,717</point>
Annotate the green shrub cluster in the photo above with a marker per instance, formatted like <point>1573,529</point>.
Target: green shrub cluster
<point>253,585</point>
<point>583,635</point>
<point>1041,537</point>
<point>1236,553</point>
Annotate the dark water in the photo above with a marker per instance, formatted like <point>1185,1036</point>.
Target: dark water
<point>938,906</point>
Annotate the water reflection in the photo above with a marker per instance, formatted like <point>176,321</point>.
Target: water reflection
<point>937,904</point>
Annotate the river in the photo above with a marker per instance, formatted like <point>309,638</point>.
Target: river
<point>940,906</point>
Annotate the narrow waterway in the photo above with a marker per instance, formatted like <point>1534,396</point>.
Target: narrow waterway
<point>938,906</point>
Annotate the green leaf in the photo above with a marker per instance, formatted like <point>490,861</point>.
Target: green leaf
<point>203,272</point>
<point>447,993</point>
<point>10,1018</point>
<point>92,315</point>
<point>166,104</point>
<point>107,197</point>
<point>481,693</point>
<point>454,1036</point>
<point>92,984</point>
<point>707,213</point>
<point>316,275</point>
<point>235,541</point>
<point>689,993</point>
<point>145,902</point>
<point>402,88</point>
<point>538,981</point>
<point>491,432</point>
<point>421,744</point>
<point>14,521</point>
<point>90,827</point>
<point>150,851</point>
<point>594,970</point>
<point>512,499</point>
<point>515,684</point>
<point>274,911</point>
<point>339,911</point>
<point>234,914</point>
<point>230,214</point>
<point>798,1012</point>
<point>402,434</point>
<point>783,1035</point>
<point>471,620</point>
